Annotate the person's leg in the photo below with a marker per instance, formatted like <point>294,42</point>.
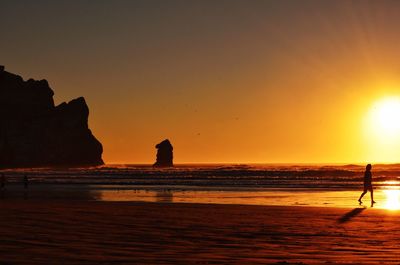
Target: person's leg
<point>372,195</point>
<point>362,195</point>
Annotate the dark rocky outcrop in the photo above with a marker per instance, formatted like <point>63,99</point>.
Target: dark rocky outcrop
<point>164,154</point>
<point>34,132</point>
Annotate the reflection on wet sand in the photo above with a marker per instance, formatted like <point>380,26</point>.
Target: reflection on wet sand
<point>164,196</point>
<point>386,199</point>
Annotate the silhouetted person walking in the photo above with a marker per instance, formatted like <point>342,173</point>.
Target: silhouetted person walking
<point>25,182</point>
<point>368,185</point>
<point>3,181</point>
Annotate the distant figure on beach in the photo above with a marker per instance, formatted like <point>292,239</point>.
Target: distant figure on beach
<point>368,185</point>
<point>26,182</point>
<point>3,181</point>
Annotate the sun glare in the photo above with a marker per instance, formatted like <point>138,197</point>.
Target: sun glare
<point>385,117</point>
<point>392,199</point>
<point>382,128</point>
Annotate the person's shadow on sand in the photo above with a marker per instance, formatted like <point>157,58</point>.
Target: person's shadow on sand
<point>348,216</point>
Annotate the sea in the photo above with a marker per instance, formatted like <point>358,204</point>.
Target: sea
<point>257,184</point>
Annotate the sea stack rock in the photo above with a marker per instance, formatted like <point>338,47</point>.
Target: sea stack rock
<point>34,132</point>
<point>164,154</point>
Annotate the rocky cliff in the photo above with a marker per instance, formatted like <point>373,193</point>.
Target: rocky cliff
<point>34,132</point>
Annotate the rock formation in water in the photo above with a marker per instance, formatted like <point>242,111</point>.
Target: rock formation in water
<point>34,132</point>
<point>164,154</point>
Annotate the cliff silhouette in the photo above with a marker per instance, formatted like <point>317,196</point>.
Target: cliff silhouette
<point>34,132</point>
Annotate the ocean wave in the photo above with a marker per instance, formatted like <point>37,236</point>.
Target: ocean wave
<point>222,175</point>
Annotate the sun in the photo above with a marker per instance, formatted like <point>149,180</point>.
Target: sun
<point>385,118</point>
<point>381,131</point>
<point>387,115</point>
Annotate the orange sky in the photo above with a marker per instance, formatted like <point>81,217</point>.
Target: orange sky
<point>225,81</point>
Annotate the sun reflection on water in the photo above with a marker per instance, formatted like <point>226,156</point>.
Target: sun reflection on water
<point>392,199</point>
<point>392,182</point>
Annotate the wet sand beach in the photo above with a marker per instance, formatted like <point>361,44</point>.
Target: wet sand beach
<point>97,232</point>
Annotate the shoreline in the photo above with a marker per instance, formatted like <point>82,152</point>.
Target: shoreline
<point>386,198</point>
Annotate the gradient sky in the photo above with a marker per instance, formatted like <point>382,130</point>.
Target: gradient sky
<point>225,81</point>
